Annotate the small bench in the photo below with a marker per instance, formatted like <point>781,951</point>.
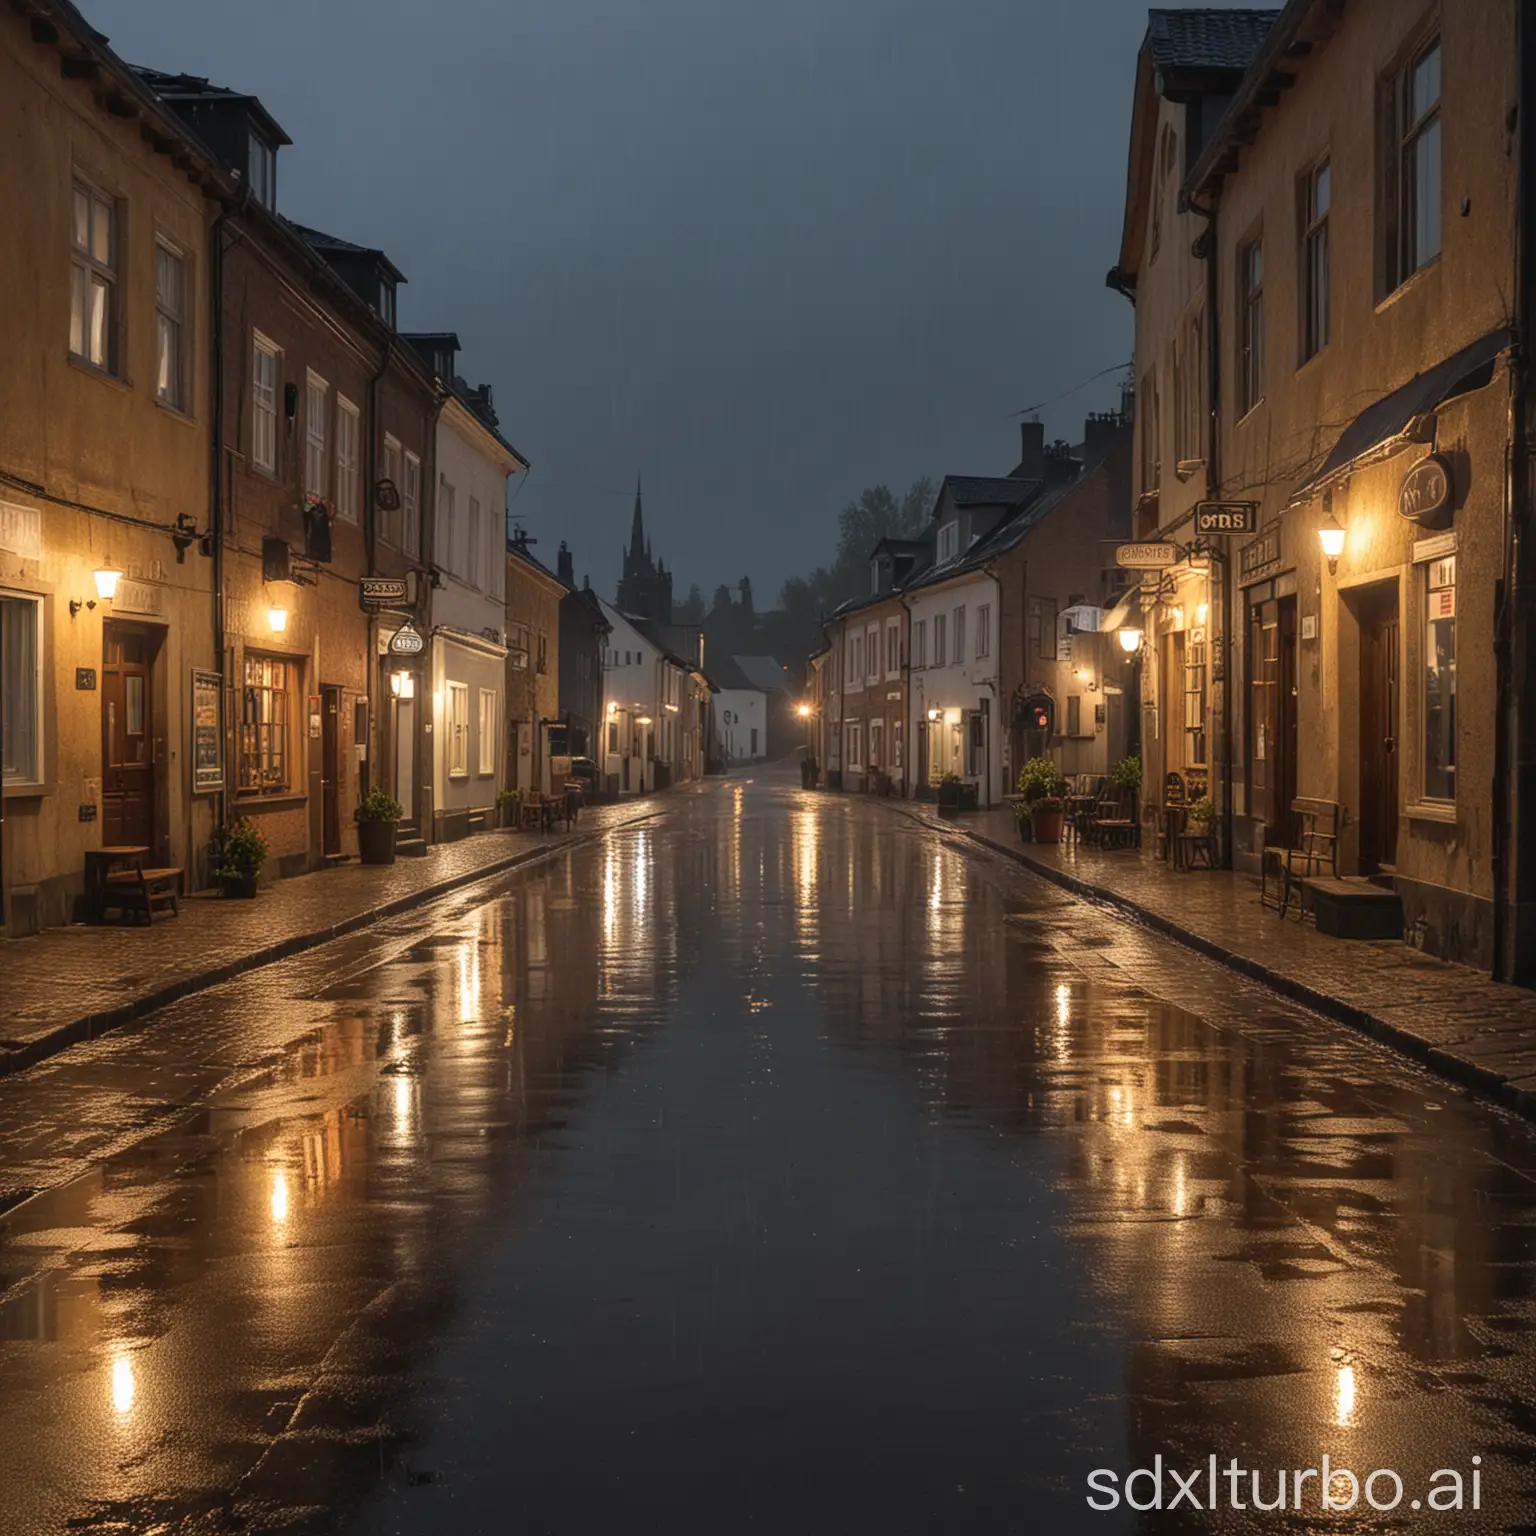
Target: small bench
<point>150,893</point>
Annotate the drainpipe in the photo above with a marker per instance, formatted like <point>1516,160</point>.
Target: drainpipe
<point>373,671</point>
<point>1208,247</point>
<point>1514,832</point>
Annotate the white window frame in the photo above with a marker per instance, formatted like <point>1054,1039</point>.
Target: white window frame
<point>940,638</point>
<point>261,171</point>
<point>855,746</point>
<point>489,725</point>
<point>410,506</point>
<point>90,270</point>
<point>349,431</point>
<point>949,541</point>
<point>920,643</point>
<point>172,313</point>
<point>472,544</point>
<point>872,653</point>
<point>390,469</point>
<point>317,436</point>
<point>983,631</point>
<point>264,392</point>
<point>458,730</point>
<point>38,775</point>
<point>892,648</point>
<point>957,634</point>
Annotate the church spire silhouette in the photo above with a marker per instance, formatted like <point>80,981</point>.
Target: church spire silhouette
<point>645,589</point>
<point>637,528</point>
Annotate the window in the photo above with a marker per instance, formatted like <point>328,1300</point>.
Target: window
<point>1151,434</point>
<point>544,653</point>
<point>21,688</point>
<point>959,635</point>
<point>170,328</point>
<point>939,623</point>
<point>1250,363</point>
<point>876,742</point>
<point>1411,191</point>
<point>613,738</point>
<point>348,433</point>
<point>855,745</point>
<point>317,401</point>
<point>1440,680</point>
<point>892,650</point>
<point>920,643</point>
<point>410,506</point>
<point>1074,714</point>
<point>872,653</point>
<point>488,730</point>
<point>266,713</point>
<point>472,544</point>
<point>983,631</point>
<point>458,729</point>
<point>1041,639</point>
<point>93,311</point>
<point>1317,193</point>
<point>445,521</point>
<point>1167,161</point>
<point>517,648</point>
<point>386,304</point>
<point>389,469</point>
<point>1194,700</point>
<point>975,744</point>
<point>264,371</point>
<point>949,541</point>
<point>262,171</point>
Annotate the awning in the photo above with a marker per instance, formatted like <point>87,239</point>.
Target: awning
<point>1128,608</point>
<point>1381,429</point>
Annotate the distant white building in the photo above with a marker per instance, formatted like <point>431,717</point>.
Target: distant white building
<point>740,711</point>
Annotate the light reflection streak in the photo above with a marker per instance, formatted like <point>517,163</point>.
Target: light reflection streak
<point>279,1201</point>
<point>124,1387</point>
<point>1344,1397</point>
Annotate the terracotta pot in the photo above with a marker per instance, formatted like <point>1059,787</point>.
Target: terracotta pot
<point>239,887</point>
<point>1046,825</point>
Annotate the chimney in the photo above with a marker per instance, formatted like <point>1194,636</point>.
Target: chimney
<point>565,565</point>
<point>1103,432</point>
<point>1060,465</point>
<point>1032,451</point>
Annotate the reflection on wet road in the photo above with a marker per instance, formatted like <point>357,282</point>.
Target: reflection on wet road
<point>774,1164</point>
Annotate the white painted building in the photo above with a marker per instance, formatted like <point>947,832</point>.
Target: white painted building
<point>468,647</point>
<point>740,713</point>
<point>633,704</point>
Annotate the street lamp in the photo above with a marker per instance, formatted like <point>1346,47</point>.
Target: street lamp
<point>1331,537</point>
<point>1130,639</point>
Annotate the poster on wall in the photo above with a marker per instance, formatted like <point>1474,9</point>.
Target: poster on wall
<point>207,732</point>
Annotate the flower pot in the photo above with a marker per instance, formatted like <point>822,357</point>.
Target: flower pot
<point>376,842</point>
<point>238,887</point>
<point>1046,825</point>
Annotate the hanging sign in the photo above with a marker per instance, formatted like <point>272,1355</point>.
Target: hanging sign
<point>1425,494</point>
<point>378,591</point>
<point>1146,556</point>
<point>406,641</point>
<point>1226,517</point>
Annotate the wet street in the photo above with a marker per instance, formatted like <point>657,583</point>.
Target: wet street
<point>774,1164</point>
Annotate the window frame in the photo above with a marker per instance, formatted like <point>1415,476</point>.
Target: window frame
<point>90,268</point>
<point>489,727</point>
<point>1316,285</point>
<point>177,323</point>
<point>263,346</point>
<point>317,444</point>
<point>391,461</point>
<point>457,721</point>
<point>1440,577</point>
<point>1412,133</point>
<point>410,506</point>
<point>472,543</point>
<point>348,470</point>
<point>957,634</point>
<point>1250,332</point>
<point>940,639</point>
<point>920,644</point>
<point>983,631</point>
<point>278,721</point>
<point>261,169</point>
<point>36,782</point>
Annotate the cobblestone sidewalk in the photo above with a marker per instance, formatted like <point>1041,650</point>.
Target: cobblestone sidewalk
<point>69,984</point>
<point>1456,1021</point>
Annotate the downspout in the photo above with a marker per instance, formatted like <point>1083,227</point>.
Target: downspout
<point>426,549</point>
<point>373,671</point>
<point>1207,246</point>
<point>1514,857</point>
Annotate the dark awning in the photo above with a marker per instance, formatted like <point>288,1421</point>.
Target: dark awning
<point>1379,428</point>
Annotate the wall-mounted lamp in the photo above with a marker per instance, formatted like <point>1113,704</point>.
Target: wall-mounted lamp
<point>1130,639</point>
<point>1202,613</point>
<point>804,711</point>
<point>643,720</point>
<point>933,714</point>
<point>1331,537</point>
<point>277,620</point>
<point>106,582</point>
<point>402,685</point>
<point>613,707</point>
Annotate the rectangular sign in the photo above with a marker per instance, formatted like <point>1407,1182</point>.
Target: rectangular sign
<point>85,678</point>
<point>21,530</point>
<point>1217,517</point>
<point>1146,556</point>
<point>207,732</point>
<point>1263,551</point>
<point>375,591</point>
<point>137,597</point>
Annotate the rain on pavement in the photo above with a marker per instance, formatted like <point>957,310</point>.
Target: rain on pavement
<point>773,1164</point>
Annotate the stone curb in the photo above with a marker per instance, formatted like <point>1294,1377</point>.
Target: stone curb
<point>1470,1075</point>
<point>60,1038</point>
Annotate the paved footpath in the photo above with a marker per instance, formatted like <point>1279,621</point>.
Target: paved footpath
<point>1455,1020</point>
<point>70,984</point>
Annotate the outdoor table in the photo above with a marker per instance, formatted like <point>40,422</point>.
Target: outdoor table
<point>99,863</point>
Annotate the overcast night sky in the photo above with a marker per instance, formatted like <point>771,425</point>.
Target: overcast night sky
<point>765,254</point>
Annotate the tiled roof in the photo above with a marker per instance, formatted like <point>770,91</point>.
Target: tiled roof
<point>318,240</point>
<point>171,87</point>
<point>764,672</point>
<point>724,673</point>
<point>1207,39</point>
<point>989,490</point>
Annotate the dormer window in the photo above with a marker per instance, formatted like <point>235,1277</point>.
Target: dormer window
<point>949,541</point>
<point>386,303</point>
<point>262,171</point>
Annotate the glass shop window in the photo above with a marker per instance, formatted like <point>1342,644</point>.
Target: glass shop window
<point>1440,680</point>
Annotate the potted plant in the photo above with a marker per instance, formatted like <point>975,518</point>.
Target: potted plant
<point>1201,815</point>
<point>1044,803</point>
<point>949,794</point>
<point>377,815</point>
<point>1126,774</point>
<point>237,853</point>
<point>509,805</point>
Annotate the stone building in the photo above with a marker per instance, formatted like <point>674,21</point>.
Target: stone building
<point>536,734</point>
<point>584,632</point>
<point>107,615</point>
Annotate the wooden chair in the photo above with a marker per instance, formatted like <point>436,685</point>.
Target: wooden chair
<point>533,811</point>
<point>1118,822</point>
<point>148,893</point>
<point>1170,820</point>
<point>1317,847</point>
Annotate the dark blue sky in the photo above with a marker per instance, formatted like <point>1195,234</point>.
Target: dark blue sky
<point>765,254</point>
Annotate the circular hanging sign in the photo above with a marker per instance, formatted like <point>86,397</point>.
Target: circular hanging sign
<point>406,641</point>
<point>1425,494</point>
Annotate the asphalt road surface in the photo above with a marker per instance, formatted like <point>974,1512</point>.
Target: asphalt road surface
<point>773,1165</point>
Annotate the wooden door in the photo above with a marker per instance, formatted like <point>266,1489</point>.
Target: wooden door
<point>1272,716</point>
<point>405,755</point>
<point>128,788</point>
<point>1379,704</point>
<point>1288,722</point>
<point>330,771</point>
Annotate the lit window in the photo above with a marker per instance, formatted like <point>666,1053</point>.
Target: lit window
<point>265,717</point>
<point>489,716</point>
<point>170,327</point>
<point>93,279</point>
<point>458,729</point>
<point>21,688</point>
<point>1440,681</point>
